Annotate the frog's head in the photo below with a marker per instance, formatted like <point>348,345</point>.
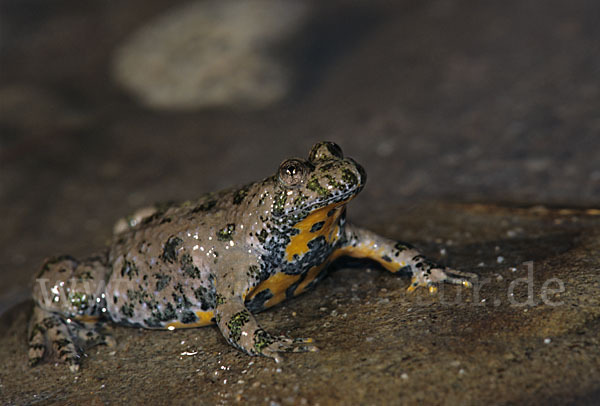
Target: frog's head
<point>326,179</point>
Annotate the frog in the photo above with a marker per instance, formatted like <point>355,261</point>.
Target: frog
<point>219,260</point>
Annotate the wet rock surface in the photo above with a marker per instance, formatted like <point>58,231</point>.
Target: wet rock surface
<point>441,101</point>
<point>527,333</point>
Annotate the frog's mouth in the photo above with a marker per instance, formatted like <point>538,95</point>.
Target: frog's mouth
<point>337,200</point>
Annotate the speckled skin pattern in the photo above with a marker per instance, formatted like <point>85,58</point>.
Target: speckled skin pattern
<point>218,259</point>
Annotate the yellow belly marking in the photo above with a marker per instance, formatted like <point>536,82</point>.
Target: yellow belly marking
<point>369,252</point>
<point>277,284</point>
<point>299,243</point>
<point>204,319</point>
<point>87,319</point>
<point>310,276</point>
<point>280,282</point>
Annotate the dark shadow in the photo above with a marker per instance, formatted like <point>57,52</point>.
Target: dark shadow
<point>13,314</point>
<point>514,251</point>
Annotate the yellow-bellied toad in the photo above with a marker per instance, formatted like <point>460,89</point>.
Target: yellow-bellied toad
<point>218,260</point>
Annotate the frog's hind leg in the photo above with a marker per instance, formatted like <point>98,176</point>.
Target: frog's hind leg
<point>50,335</point>
<point>65,340</point>
<point>69,305</point>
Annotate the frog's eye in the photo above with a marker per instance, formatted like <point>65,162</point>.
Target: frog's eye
<point>292,172</point>
<point>325,150</point>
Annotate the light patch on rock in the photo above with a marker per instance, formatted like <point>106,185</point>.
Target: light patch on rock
<point>210,53</point>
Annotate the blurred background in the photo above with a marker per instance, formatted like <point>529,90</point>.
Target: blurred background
<point>109,106</point>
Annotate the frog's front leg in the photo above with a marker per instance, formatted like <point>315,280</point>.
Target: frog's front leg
<point>239,326</point>
<point>397,256</point>
<point>141,216</point>
<point>132,221</point>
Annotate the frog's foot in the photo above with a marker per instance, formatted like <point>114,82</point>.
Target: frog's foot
<point>430,277</point>
<point>63,340</point>
<point>91,336</point>
<point>272,346</point>
<point>50,337</point>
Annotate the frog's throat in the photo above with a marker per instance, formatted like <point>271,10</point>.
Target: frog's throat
<point>321,223</point>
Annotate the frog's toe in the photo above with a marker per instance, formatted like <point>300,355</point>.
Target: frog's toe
<point>286,344</point>
<point>281,344</point>
<point>109,341</point>
<point>37,341</point>
<point>66,351</point>
<point>422,282</point>
<point>92,337</point>
<point>453,276</point>
<point>414,284</point>
<point>37,350</point>
<point>435,276</point>
<point>73,362</point>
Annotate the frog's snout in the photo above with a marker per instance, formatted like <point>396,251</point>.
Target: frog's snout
<point>361,172</point>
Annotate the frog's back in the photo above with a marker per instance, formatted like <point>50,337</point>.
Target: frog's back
<point>162,267</point>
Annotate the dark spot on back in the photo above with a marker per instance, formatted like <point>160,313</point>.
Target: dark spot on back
<point>188,316</point>
<point>239,196</point>
<point>170,250</point>
<point>162,281</point>
<point>188,267</point>
<point>168,314</point>
<point>128,269</point>
<point>127,310</point>
<point>206,298</point>
<point>181,301</point>
<point>262,236</point>
<point>225,234</point>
